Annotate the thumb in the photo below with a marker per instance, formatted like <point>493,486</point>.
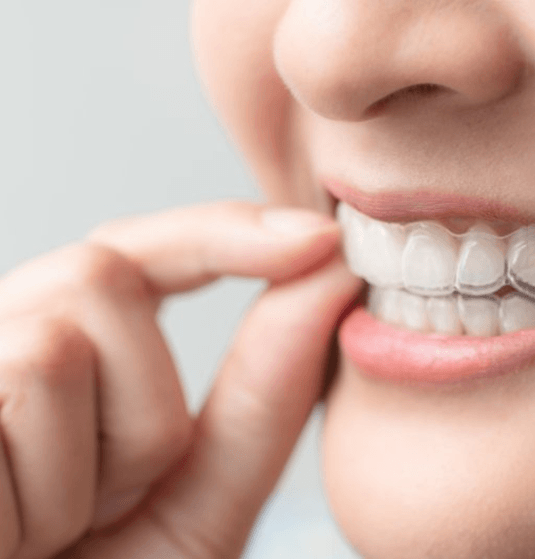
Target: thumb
<point>255,412</point>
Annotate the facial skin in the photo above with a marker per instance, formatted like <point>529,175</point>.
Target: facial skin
<point>411,472</point>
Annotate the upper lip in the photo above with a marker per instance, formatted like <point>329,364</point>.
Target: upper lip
<point>422,204</point>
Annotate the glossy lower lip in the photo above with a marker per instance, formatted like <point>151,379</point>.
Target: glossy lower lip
<point>422,204</point>
<point>388,353</point>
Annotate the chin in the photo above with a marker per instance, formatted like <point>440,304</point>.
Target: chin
<point>432,472</point>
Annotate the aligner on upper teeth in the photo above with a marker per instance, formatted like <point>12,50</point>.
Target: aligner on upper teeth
<point>434,280</point>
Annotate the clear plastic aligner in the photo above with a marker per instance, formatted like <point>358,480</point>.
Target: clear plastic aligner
<point>453,315</point>
<point>517,312</point>
<point>429,260</point>
<point>481,263</point>
<point>426,258</point>
<point>521,260</point>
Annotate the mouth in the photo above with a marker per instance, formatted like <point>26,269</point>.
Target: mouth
<point>451,286</point>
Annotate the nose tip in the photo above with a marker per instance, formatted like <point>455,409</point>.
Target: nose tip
<point>344,59</point>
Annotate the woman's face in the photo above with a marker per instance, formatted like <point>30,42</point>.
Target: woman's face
<point>408,110</point>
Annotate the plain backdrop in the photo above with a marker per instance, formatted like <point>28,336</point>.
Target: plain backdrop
<point>101,116</point>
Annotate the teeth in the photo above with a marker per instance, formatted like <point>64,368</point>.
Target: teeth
<point>517,312</point>
<point>453,315</point>
<point>433,261</point>
<point>414,312</point>
<point>481,263</point>
<point>389,306</point>
<point>430,263</point>
<point>444,316</point>
<point>343,214</point>
<point>429,260</point>
<point>381,251</point>
<point>354,225</point>
<point>479,315</point>
<point>521,260</point>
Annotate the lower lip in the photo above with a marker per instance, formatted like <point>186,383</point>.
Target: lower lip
<point>382,351</point>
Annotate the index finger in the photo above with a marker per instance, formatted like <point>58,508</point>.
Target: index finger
<point>187,247</point>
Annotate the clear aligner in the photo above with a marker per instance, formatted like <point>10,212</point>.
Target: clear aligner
<point>426,258</point>
<point>453,315</point>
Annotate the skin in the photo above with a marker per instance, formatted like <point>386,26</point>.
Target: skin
<point>309,88</point>
<point>100,457</point>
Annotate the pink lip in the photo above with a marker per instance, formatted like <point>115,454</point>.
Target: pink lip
<point>422,204</point>
<point>397,355</point>
<point>382,351</point>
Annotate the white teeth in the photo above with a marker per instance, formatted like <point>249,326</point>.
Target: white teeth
<point>479,315</point>
<point>481,263</point>
<point>443,315</point>
<point>414,312</point>
<point>389,308</point>
<point>429,260</point>
<point>373,304</point>
<point>521,260</point>
<point>453,315</point>
<point>342,214</point>
<point>430,263</point>
<point>426,259</point>
<point>517,312</point>
<point>381,250</point>
<point>354,225</point>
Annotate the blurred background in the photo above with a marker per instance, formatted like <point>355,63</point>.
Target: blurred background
<point>101,116</point>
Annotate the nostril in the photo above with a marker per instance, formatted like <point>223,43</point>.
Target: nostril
<point>411,93</point>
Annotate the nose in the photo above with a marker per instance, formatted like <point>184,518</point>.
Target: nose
<point>344,59</point>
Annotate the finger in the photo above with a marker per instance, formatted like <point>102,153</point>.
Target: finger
<point>293,242</point>
<point>47,421</point>
<point>143,417</point>
<point>188,247</point>
<point>143,423</point>
<point>255,412</point>
<point>10,530</point>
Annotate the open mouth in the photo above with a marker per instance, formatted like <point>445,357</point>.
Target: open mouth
<point>448,298</point>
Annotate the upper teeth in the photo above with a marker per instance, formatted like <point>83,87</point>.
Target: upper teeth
<point>427,259</point>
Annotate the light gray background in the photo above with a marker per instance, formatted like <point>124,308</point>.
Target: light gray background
<point>101,116</point>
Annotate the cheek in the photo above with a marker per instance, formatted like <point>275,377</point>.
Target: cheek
<point>232,45</point>
<point>417,474</point>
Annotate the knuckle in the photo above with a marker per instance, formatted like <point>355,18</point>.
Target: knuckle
<point>45,346</point>
<point>59,348</point>
<point>99,267</point>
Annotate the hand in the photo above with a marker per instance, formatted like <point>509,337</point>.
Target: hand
<point>101,458</point>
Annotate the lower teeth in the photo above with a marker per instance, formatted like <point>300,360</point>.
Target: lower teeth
<point>454,314</point>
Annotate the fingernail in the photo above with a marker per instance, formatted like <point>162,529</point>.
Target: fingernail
<point>113,507</point>
<point>295,221</point>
